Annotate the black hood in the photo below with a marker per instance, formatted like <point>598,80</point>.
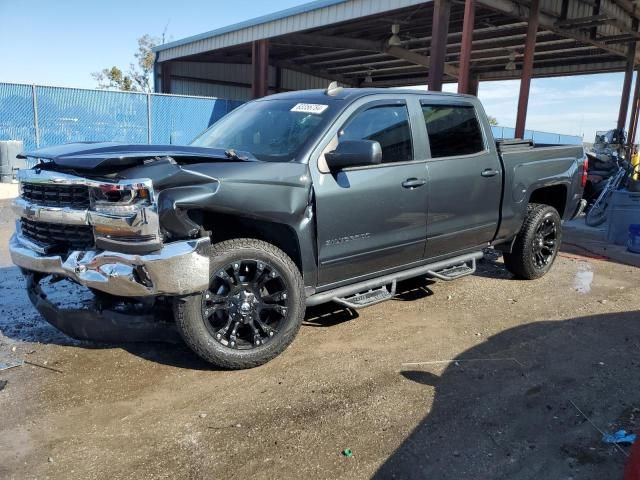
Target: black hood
<point>110,155</point>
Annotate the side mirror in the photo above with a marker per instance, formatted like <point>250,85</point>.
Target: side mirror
<point>354,153</point>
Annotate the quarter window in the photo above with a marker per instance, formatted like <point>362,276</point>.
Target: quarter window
<point>453,130</point>
<point>386,124</point>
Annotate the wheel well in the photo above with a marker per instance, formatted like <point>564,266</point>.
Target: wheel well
<point>227,227</point>
<point>554,196</point>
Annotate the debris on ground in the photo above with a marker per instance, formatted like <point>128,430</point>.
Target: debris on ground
<point>44,365</point>
<point>347,452</point>
<point>3,383</point>
<point>10,364</point>
<point>620,437</point>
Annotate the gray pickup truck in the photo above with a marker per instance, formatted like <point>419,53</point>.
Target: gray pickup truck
<point>290,201</point>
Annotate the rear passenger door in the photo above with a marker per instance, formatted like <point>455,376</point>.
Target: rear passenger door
<point>372,219</point>
<point>465,178</point>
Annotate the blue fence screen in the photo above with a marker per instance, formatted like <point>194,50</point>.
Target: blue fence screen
<point>509,133</point>
<point>43,116</point>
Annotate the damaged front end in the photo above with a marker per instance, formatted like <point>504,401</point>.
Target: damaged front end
<point>100,229</point>
<point>83,315</point>
<point>135,224</point>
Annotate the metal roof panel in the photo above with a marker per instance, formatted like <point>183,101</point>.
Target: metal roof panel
<point>303,17</point>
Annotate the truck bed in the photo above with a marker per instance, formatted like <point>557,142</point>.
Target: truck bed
<point>528,167</point>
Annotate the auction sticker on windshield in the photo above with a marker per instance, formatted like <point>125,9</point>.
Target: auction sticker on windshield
<point>310,108</point>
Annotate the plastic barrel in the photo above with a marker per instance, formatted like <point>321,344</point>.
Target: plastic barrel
<point>634,238</point>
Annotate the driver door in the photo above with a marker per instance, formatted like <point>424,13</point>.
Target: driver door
<point>372,219</point>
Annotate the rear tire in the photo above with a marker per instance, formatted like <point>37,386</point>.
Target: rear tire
<point>537,244</point>
<point>252,310</point>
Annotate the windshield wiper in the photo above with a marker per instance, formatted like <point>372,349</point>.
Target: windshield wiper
<point>233,155</point>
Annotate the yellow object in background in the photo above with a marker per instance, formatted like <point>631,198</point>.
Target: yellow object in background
<point>635,162</point>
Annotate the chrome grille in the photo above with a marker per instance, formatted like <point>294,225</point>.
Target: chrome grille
<point>52,195</point>
<point>58,237</point>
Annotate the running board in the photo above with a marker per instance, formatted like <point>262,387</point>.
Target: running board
<point>455,272</point>
<point>347,293</point>
<point>366,299</point>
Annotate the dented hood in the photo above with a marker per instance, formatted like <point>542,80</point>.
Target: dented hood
<point>110,155</point>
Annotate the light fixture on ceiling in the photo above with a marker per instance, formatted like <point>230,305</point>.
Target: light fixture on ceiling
<point>511,66</point>
<point>368,78</point>
<point>394,39</point>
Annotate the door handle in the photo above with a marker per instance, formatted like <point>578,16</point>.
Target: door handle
<point>489,172</point>
<point>414,182</point>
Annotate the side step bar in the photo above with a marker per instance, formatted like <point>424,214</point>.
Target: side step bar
<point>353,296</point>
<point>455,272</point>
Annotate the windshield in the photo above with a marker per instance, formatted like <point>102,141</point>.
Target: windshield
<point>270,130</point>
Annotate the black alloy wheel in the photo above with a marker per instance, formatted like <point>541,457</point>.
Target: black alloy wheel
<point>536,246</point>
<point>246,304</point>
<point>545,243</point>
<point>252,310</point>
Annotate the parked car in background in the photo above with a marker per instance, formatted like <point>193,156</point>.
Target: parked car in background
<point>291,201</point>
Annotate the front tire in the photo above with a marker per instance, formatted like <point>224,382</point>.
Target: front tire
<point>537,244</point>
<point>252,311</point>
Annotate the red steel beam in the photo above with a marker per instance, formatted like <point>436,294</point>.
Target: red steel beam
<point>474,85</point>
<point>527,68</point>
<point>440,32</point>
<point>464,77</point>
<point>635,111</point>
<point>260,68</point>
<point>626,87</point>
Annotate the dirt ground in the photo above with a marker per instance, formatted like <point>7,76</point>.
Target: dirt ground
<point>483,378</point>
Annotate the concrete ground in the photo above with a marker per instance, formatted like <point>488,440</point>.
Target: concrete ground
<point>483,378</point>
<point>8,190</point>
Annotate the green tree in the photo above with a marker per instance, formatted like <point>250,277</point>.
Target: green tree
<point>492,120</point>
<point>140,74</point>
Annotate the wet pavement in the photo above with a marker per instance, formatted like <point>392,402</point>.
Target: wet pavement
<point>483,378</point>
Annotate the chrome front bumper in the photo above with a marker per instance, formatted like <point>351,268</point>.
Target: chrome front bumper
<point>179,268</point>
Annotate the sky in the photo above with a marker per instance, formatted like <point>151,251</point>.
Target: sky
<point>61,42</point>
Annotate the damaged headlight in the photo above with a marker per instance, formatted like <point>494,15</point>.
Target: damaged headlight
<point>125,214</point>
<point>121,199</point>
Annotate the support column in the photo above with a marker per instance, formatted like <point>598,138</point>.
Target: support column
<point>527,68</point>
<point>260,67</point>
<point>165,82</point>
<point>635,111</point>
<point>438,51</point>
<point>464,77</point>
<point>626,87</point>
<point>474,85</point>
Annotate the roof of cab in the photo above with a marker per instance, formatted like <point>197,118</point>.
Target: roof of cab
<point>350,94</point>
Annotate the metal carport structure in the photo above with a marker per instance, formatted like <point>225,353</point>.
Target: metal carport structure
<point>409,42</point>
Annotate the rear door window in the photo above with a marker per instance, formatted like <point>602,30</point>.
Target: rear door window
<point>453,130</point>
<point>386,124</point>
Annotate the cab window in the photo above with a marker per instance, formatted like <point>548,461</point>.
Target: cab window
<point>386,124</point>
<point>453,130</point>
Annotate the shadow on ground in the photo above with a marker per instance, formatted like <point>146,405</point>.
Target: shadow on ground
<point>508,408</point>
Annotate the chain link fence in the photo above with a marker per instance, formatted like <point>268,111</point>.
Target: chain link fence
<point>41,116</point>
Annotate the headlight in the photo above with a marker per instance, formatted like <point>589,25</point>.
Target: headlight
<point>121,199</point>
<point>124,217</point>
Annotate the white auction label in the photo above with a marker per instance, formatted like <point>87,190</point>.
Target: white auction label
<point>310,108</point>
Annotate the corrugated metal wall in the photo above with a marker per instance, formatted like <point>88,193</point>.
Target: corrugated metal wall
<point>197,78</point>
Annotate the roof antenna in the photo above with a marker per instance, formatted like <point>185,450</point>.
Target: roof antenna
<point>333,89</point>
